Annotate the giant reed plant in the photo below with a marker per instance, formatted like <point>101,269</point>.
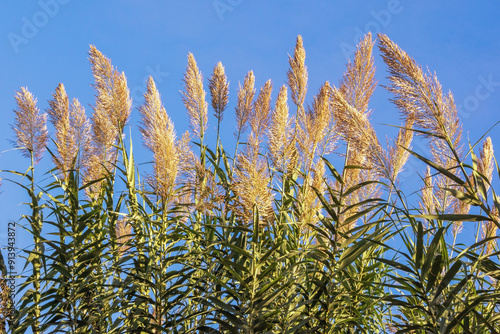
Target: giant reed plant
<point>273,239</point>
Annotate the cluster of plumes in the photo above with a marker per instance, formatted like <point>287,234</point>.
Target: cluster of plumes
<point>179,177</point>
<point>421,102</point>
<point>351,114</point>
<point>201,191</point>
<point>72,137</point>
<point>111,113</point>
<point>314,135</point>
<point>30,126</point>
<point>80,144</point>
<point>293,144</point>
<point>423,106</point>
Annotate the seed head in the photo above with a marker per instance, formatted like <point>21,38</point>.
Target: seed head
<point>244,107</point>
<point>194,97</point>
<point>297,74</point>
<point>219,90</point>
<point>30,127</point>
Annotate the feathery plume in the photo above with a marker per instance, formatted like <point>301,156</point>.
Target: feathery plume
<point>358,83</point>
<point>427,204</point>
<point>113,97</point>
<point>259,119</point>
<point>251,187</point>
<point>111,113</point>
<point>486,163</point>
<point>60,118</point>
<point>159,136</point>
<point>356,129</point>
<point>398,154</point>
<point>80,130</point>
<point>419,96</point>
<point>72,132</point>
<point>193,97</point>
<point>244,107</point>
<point>350,109</point>
<point>316,129</point>
<point>30,127</point>
<point>219,90</point>
<point>279,137</point>
<point>252,177</point>
<point>297,74</point>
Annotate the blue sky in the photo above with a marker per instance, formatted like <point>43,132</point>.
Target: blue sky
<point>46,42</point>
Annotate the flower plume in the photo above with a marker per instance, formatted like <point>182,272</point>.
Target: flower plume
<point>159,136</point>
<point>194,97</point>
<point>30,127</point>
<point>219,90</point>
<point>244,107</point>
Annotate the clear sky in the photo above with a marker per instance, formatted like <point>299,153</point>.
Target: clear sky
<point>46,42</point>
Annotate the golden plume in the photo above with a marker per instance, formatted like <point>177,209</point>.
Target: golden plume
<point>59,117</point>
<point>113,97</point>
<point>351,116</point>
<point>30,127</point>
<point>219,90</point>
<point>486,162</point>
<point>193,97</point>
<point>316,129</point>
<point>419,96</point>
<point>80,129</point>
<point>111,113</point>
<point>398,152</point>
<point>244,106</point>
<point>159,136</point>
<point>281,147</point>
<point>72,132</point>
<point>427,205</point>
<point>259,119</point>
<point>297,74</point>
<point>251,187</point>
<point>358,83</point>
